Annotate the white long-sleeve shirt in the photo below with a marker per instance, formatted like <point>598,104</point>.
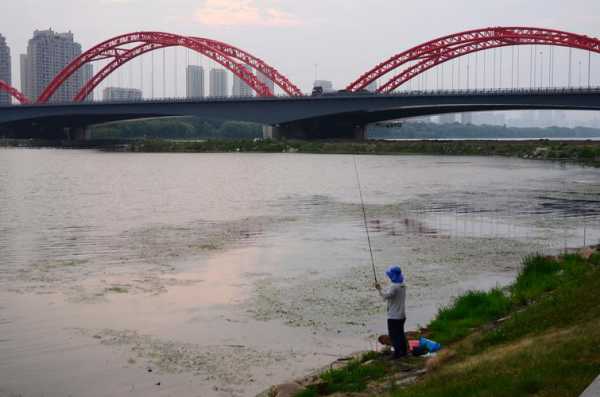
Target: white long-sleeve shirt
<point>395,296</point>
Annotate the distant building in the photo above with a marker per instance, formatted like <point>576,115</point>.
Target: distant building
<point>266,81</point>
<point>372,87</point>
<point>240,88</point>
<point>466,118</point>
<point>326,85</point>
<point>218,86</point>
<point>448,118</point>
<point>121,94</point>
<point>5,70</point>
<point>194,81</point>
<point>47,54</point>
<point>25,80</point>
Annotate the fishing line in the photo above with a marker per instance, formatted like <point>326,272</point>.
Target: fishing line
<point>362,203</point>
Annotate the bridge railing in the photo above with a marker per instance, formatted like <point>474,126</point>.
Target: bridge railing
<point>501,91</point>
<point>460,92</point>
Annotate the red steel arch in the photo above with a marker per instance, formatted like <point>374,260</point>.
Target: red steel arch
<point>273,74</point>
<point>438,51</point>
<point>148,41</point>
<point>12,91</point>
<point>188,42</point>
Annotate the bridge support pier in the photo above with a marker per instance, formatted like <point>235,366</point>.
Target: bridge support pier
<point>46,131</point>
<point>78,134</point>
<point>317,129</point>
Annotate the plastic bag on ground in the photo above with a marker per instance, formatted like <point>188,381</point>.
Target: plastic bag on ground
<point>429,344</point>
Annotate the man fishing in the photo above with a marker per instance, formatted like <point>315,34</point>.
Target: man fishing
<point>395,296</point>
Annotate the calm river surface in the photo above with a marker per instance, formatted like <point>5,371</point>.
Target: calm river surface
<point>221,274</point>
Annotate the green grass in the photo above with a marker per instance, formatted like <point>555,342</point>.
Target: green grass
<point>551,347</point>
<point>542,274</point>
<point>469,311</point>
<point>575,300</point>
<point>555,369</point>
<point>352,378</point>
<point>538,276</point>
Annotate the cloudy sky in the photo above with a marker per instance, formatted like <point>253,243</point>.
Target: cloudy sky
<point>344,37</point>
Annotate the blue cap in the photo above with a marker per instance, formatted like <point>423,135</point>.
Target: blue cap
<point>395,274</point>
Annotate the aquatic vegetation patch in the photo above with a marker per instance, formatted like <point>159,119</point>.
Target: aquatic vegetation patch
<point>227,364</point>
<point>119,289</point>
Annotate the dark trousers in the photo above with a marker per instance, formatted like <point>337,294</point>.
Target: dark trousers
<point>396,332</point>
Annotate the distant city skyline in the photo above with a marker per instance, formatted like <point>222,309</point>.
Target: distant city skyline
<point>294,36</point>
<point>317,39</point>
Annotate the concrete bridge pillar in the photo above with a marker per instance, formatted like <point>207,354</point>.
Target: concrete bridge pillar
<point>79,133</point>
<point>317,129</point>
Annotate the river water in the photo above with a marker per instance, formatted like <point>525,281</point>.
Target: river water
<point>221,274</point>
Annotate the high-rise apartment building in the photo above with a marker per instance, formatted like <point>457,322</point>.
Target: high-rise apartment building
<point>121,94</point>
<point>240,88</point>
<point>194,81</point>
<point>5,70</point>
<point>48,53</point>
<point>218,86</point>
<point>266,81</point>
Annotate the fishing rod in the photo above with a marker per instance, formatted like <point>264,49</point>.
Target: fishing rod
<point>362,203</point>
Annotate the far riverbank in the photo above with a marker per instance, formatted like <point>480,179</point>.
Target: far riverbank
<point>585,152</point>
<point>582,152</point>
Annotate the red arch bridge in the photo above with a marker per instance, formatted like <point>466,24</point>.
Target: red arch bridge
<point>342,114</point>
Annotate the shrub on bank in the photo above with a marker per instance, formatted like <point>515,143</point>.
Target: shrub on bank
<point>467,312</point>
<point>539,275</point>
<point>536,277</point>
<point>585,153</point>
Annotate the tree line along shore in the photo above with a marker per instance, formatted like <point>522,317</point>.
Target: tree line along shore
<point>585,152</point>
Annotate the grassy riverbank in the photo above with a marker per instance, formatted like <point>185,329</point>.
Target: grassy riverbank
<point>583,152</point>
<point>540,336</point>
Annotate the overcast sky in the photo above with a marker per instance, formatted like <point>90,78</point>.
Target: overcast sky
<point>344,37</point>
